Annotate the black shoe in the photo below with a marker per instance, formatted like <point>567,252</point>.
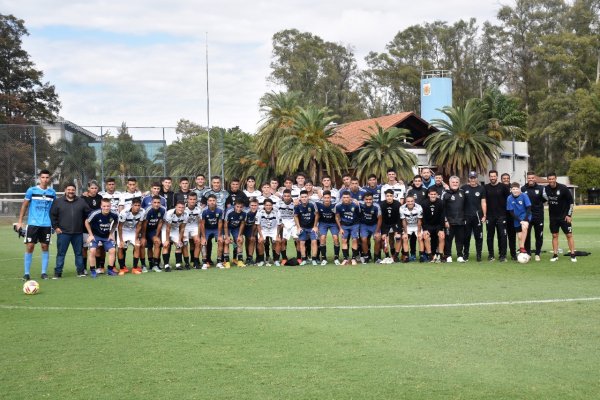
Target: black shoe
<point>196,266</point>
<point>57,276</point>
<point>45,276</point>
<point>187,266</point>
<point>502,259</point>
<point>26,277</point>
<point>167,268</point>
<point>491,258</point>
<point>514,258</point>
<point>478,257</point>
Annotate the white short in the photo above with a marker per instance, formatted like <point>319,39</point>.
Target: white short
<point>290,232</point>
<point>128,238</point>
<point>269,234</point>
<point>190,232</point>
<point>174,238</point>
<point>412,229</point>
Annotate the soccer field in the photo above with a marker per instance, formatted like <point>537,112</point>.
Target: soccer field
<point>417,331</point>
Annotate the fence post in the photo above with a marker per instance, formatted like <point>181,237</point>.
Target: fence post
<point>35,170</point>
<point>102,156</point>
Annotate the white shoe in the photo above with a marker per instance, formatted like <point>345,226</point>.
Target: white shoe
<point>323,262</point>
<point>460,260</point>
<point>537,258</point>
<point>220,266</point>
<point>303,262</point>
<point>449,259</point>
<point>314,262</point>
<point>261,264</point>
<point>144,269</point>
<point>277,264</point>
<point>205,266</point>
<point>156,269</point>
<point>573,259</point>
<point>336,261</point>
<point>554,258</point>
<point>268,264</point>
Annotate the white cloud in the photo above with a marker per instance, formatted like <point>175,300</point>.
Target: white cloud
<point>158,83</point>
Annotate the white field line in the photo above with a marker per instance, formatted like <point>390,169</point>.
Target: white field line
<point>301,308</point>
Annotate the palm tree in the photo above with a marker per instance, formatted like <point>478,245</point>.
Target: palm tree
<point>279,110</point>
<point>308,147</point>
<point>386,148</point>
<point>242,159</point>
<point>124,157</point>
<point>76,160</point>
<point>462,143</point>
<point>504,118</point>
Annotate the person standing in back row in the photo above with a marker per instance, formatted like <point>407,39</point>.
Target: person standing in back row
<point>454,218</point>
<point>496,194</point>
<point>535,192</point>
<point>511,232</point>
<point>560,210</point>
<point>475,213</point>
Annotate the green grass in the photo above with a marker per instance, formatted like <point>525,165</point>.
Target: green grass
<point>526,351</point>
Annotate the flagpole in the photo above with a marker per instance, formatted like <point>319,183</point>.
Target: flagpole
<point>208,111</point>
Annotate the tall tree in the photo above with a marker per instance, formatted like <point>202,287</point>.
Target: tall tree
<point>462,143</point>
<point>386,148</point>
<point>76,160</point>
<point>505,119</point>
<point>124,157</point>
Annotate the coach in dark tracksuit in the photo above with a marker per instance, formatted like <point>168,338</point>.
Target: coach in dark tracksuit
<point>67,215</point>
<point>475,213</point>
<point>454,213</point>
<point>496,194</point>
<point>535,192</point>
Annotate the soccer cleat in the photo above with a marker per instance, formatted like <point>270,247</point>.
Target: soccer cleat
<point>336,261</point>
<point>26,277</point>
<point>277,263</point>
<point>123,271</point>
<point>196,266</point>
<point>323,262</point>
<point>178,267</point>
<point>573,258</point>
<point>502,259</point>
<point>354,262</point>
<point>404,259</point>
<point>491,258</point>
<point>260,264</point>
<point>303,262</point>
<point>449,259</point>
<point>554,258</point>
<point>220,265</point>
<point>362,260</point>
<point>156,268</point>
<point>100,271</point>
<point>136,271</point>
<point>268,264</point>
<point>537,257</point>
<point>378,261</point>
<point>478,257</point>
<point>187,267</point>
<point>205,266</point>
<point>112,272</point>
<point>412,258</point>
<point>241,264</point>
<point>167,268</point>
<point>57,276</point>
<point>227,264</point>
<point>314,262</point>
<point>144,269</point>
<point>93,273</point>
<point>514,258</point>
<point>81,274</point>
<point>461,260</point>
<point>44,276</point>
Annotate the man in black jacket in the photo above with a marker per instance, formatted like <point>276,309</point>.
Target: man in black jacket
<point>560,210</point>
<point>67,215</point>
<point>166,192</point>
<point>535,192</point>
<point>496,194</point>
<point>454,216</point>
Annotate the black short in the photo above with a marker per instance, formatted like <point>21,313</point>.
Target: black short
<point>385,229</point>
<point>35,234</point>
<point>518,228</point>
<point>556,224</point>
<point>433,230</point>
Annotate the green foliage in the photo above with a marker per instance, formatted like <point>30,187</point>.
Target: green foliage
<point>503,114</point>
<point>462,143</point>
<point>386,148</point>
<point>76,160</point>
<point>123,157</point>
<point>585,173</point>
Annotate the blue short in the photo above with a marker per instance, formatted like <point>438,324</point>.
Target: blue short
<point>212,234</point>
<point>106,243</point>
<point>234,232</point>
<point>367,230</point>
<point>351,230</point>
<point>332,227</point>
<point>248,231</point>
<point>306,234</point>
<point>150,239</point>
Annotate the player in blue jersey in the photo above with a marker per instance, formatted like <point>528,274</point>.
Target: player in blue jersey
<point>370,227</point>
<point>356,192</point>
<point>38,199</point>
<point>101,225</point>
<point>374,188</point>
<point>250,231</point>
<point>347,217</point>
<point>154,191</point>
<point>326,222</point>
<point>152,227</point>
<point>234,225</point>
<point>211,227</point>
<point>305,220</point>
<point>518,205</point>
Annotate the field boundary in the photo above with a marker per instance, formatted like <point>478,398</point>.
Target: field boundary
<point>303,308</point>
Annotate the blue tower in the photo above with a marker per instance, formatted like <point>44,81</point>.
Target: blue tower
<point>436,93</point>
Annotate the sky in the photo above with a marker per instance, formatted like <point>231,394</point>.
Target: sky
<point>143,61</point>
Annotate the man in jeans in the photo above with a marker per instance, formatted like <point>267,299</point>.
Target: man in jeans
<point>67,215</point>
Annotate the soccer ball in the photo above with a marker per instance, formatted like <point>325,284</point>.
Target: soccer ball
<point>523,258</point>
<point>31,287</point>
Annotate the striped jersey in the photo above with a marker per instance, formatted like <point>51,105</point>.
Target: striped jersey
<point>131,220</point>
<point>40,201</point>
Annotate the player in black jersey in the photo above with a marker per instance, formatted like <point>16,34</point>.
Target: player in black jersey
<point>535,192</point>
<point>184,191</point>
<point>93,200</point>
<point>454,213</point>
<point>475,213</point>
<point>434,236</point>
<point>560,210</point>
<point>390,227</point>
<point>511,233</point>
<point>417,190</point>
<point>496,194</point>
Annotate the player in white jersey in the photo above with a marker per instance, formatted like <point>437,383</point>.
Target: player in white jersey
<point>173,232</point>
<point>313,196</point>
<point>326,185</point>
<point>131,193</point>
<point>288,183</point>
<point>266,194</point>
<point>287,229</point>
<point>130,230</point>
<point>250,189</point>
<point>192,232</point>
<point>411,215</point>
<point>111,194</point>
<point>267,224</point>
<point>397,186</point>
